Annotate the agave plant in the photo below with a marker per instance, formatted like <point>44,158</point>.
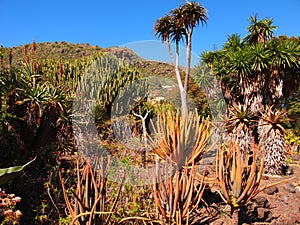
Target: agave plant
<point>271,136</point>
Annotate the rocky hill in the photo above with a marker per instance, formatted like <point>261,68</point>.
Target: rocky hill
<point>69,51</point>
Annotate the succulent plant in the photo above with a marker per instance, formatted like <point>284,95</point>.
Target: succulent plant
<point>271,136</point>
<point>11,172</point>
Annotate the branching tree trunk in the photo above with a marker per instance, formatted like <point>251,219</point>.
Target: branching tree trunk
<point>177,25</point>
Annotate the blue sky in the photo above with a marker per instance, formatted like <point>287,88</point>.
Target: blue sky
<point>119,23</point>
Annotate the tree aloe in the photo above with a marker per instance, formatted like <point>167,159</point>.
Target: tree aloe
<point>256,71</point>
<point>176,26</point>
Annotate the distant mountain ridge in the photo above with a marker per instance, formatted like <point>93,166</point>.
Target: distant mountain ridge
<point>70,51</point>
<point>65,51</point>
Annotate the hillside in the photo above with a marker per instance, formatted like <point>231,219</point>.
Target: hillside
<point>49,50</point>
<point>69,51</point>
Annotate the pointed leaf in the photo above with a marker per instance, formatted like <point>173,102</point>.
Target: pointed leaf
<point>8,173</point>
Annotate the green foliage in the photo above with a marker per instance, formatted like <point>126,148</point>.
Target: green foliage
<point>104,80</point>
<point>53,51</point>
<point>8,173</point>
<point>293,110</point>
<point>67,72</point>
<point>292,139</point>
<point>65,220</point>
<point>243,62</point>
<point>259,72</point>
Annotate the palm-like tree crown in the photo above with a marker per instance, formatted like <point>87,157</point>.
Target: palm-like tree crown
<point>177,30</point>
<point>162,27</point>
<point>234,42</point>
<point>180,21</point>
<point>260,31</point>
<point>194,14</point>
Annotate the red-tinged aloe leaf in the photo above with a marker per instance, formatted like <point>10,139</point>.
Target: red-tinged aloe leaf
<point>8,173</point>
<point>239,172</point>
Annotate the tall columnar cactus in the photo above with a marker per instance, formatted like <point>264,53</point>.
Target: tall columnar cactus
<point>104,77</point>
<point>66,72</point>
<point>96,93</point>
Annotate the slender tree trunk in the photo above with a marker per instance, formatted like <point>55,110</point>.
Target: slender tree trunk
<point>170,52</point>
<point>183,93</point>
<point>144,149</point>
<point>188,61</point>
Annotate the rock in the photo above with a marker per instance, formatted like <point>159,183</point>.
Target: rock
<point>271,190</point>
<point>290,188</point>
<point>61,50</point>
<point>262,213</point>
<point>260,201</point>
<point>287,170</point>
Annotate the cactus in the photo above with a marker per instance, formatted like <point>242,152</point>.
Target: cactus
<point>98,88</point>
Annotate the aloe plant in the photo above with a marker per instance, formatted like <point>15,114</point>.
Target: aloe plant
<point>178,197</point>
<point>239,176</point>
<point>9,173</point>
<point>180,141</point>
<point>89,203</point>
<point>183,139</point>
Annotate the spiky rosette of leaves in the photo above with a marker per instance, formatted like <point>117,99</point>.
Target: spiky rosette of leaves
<point>239,176</point>
<point>271,136</point>
<point>180,138</point>
<point>239,125</point>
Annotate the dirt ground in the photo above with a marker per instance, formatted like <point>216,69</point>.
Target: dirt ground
<point>277,205</point>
